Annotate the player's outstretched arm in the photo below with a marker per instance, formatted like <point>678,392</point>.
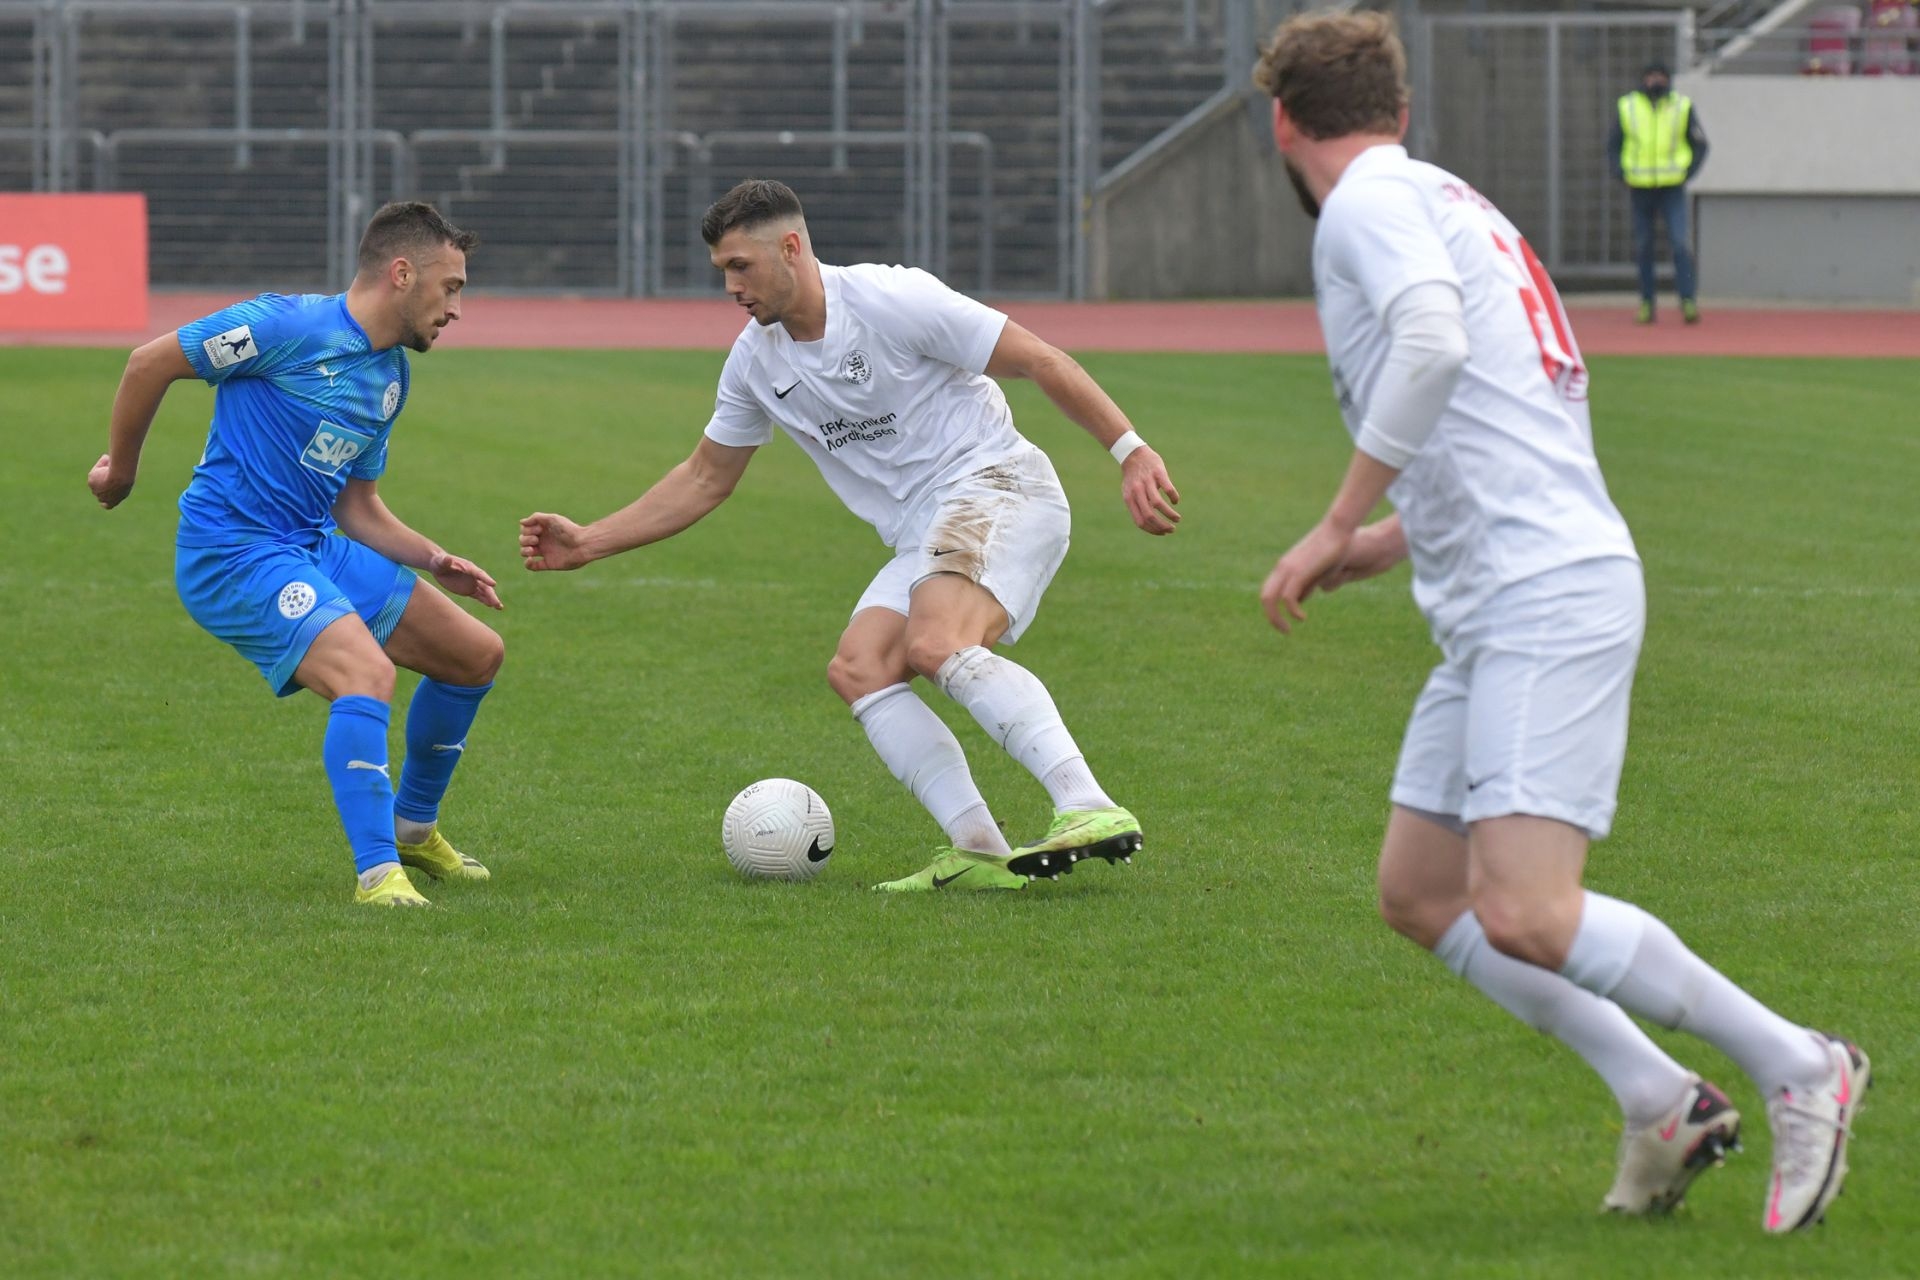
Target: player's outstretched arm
<point>151,369</point>
<point>1144,484</point>
<point>1426,354</point>
<point>679,499</point>
<point>365,517</point>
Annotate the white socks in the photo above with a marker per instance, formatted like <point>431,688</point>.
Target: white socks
<point>922,752</point>
<point>1645,1080</point>
<point>1015,709</point>
<point>1625,954</point>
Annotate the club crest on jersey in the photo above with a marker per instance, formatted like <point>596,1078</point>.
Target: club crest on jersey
<point>297,600</point>
<point>332,448</point>
<point>231,347</point>
<point>856,368</point>
<point>391,401</point>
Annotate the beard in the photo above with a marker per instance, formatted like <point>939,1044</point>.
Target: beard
<point>419,335</point>
<point>1300,188</point>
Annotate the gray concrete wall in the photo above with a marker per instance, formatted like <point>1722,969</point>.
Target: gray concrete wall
<point>1828,248</point>
<point>1812,189</point>
<point>1808,135</point>
<point>1211,216</point>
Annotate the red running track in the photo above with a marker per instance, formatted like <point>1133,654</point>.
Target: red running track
<point>1269,327</point>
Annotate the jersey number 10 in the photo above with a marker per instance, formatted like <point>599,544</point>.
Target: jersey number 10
<point>1559,356</point>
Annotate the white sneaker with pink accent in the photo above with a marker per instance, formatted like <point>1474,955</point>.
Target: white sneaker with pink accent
<point>1810,1132</point>
<point>1659,1161</point>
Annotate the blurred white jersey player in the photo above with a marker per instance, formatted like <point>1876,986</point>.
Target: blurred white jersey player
<point>884,377</point>
<point>1462,385</point>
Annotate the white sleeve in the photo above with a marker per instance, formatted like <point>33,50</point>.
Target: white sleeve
<point>1427,349</point>
<point>737,418</point>
<point>933,320</point>
<point>1381,234</point>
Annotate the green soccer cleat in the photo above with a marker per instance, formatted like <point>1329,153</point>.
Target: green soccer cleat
<point>441,860</point>
<point>1689,311</point>
<point>391,890</point>
<point>957,869</point>
<point>1644,315</point>
<point>1113,834</point>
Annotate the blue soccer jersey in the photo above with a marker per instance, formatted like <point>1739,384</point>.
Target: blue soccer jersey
<point>301,405</point>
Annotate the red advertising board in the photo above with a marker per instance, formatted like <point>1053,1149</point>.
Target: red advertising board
<point>73,262</point>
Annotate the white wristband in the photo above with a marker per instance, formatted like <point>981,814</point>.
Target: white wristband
<point>1125,445</point>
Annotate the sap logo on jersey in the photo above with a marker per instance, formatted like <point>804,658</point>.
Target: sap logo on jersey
<point>332,448</point>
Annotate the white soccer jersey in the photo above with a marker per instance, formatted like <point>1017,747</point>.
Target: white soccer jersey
<point>892,404</point>
<point>1507,486</point>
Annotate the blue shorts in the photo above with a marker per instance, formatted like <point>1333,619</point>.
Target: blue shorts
<point>269,600</point>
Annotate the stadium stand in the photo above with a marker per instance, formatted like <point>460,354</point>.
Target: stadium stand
<point>1831,35</point>
<point>228,211</point>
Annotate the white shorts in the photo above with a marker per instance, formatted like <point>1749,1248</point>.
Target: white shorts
<point>1005,528</point>
<point>1528,714</point>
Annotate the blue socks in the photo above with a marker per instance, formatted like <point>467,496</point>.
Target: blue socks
<point>355,754</point>
<point>437,724</point>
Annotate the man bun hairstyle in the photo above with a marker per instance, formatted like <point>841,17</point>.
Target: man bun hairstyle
<point>1337,73</point>
<point>410,229</point>
<point>752,204</point>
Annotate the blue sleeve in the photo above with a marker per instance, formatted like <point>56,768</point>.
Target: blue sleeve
<point>371,464</point>
<point>246,340</point>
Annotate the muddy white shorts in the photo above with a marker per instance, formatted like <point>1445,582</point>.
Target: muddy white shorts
<point>1528,714</point>
<point>1006,528</point>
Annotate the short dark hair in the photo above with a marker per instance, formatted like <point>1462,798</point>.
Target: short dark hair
<point>753,203</point>
<point>1336,73</point>
<point>409,229</point>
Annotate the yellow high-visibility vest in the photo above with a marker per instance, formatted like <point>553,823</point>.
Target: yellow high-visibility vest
<point>1654,151</point>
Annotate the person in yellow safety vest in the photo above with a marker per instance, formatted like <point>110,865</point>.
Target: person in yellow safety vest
<point>1657,145</point>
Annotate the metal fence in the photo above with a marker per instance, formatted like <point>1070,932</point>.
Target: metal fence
<point>582,138</point>
<point>1521,104</point>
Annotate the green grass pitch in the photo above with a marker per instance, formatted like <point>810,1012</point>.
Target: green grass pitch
<point>619,1059</point>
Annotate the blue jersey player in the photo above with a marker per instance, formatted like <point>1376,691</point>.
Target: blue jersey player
<point>286,552</point>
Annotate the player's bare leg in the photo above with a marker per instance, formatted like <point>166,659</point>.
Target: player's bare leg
<point>1424,879</point>
<point>458,655</point>
<point>1525,886</point>
<point>951,625</point>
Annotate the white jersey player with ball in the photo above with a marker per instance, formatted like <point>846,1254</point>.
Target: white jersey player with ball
<point>885,378</point>
<point>1460,381</point>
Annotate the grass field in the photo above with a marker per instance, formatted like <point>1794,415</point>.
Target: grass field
<point>619,1059</point>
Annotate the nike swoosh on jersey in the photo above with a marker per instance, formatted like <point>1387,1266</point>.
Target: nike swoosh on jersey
<point>782,395</point>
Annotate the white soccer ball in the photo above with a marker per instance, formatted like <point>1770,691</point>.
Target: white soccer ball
<point>777,829</point>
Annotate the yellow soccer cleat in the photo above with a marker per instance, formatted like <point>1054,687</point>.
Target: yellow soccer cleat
<point>1076,835</point>
<point>957,869</point>
<point>441,860</point>
<point>391,890</point>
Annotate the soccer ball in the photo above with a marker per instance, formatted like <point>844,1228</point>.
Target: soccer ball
<point>777,829</point>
